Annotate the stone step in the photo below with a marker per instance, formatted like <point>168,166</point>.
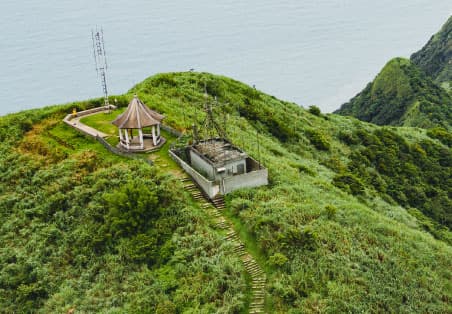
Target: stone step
<point>259,293</point>
<point>259,280</point>
<point>257,307</point>
<point>258,284</point>
<point>232,237</point>
<point>252,267</point>
<point>257,300</point>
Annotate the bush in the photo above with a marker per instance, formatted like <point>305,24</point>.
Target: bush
<point>348,182</point>
<point>277,259</point>
<point>315,110</point>
<point>318,139</point>
<point>348,138</point>
<point>441,134</point>
<point>131,209</point>
<point>330,211</point>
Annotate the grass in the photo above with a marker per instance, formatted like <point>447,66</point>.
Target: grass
<point>102,121</point>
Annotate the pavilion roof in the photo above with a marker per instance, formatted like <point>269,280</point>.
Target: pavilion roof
<point>137,116</point>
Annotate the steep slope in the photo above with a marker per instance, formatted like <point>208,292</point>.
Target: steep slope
<point>336,225</point>
<point>401,95</point>
<point>435,58</point>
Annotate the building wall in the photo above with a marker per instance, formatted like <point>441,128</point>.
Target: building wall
<point>201,165</point>
<point>231,168</point>
<point>247,180</point>
<point>210,188</point>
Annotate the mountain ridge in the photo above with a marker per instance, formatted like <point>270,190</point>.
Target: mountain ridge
<point>411,92</point>
<point>435,57</point>
<point>401,95</point>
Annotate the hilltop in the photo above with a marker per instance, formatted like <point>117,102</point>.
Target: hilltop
<point>435,57</point>
<point>410,92</point>
<point>401,95</point>
<point>356,217</point>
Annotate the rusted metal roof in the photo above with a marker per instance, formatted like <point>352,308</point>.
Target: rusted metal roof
<point>137,116</point>
<point>219,150</point>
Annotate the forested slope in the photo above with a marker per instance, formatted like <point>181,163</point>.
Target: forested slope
<point>401,95</point>
<point>435,57</point>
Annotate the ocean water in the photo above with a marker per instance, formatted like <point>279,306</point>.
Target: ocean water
<point>312,52</point>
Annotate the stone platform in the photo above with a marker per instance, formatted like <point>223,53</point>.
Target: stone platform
<point>148,145</point>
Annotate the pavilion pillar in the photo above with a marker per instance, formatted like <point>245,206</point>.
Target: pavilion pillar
<point>140,135</point>
<point>158,130</point>
<point>121,138</point>
<point>127,139</point>
<point>154,140</point>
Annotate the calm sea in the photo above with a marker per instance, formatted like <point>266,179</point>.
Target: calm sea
<point>310,52</point>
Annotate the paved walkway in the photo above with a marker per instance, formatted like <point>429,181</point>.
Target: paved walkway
<point>75,123</point>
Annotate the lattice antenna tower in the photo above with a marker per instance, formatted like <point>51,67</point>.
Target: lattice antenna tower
<point>210,125</point>
<point>100,59</point>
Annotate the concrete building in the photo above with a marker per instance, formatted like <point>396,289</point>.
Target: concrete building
<point>219,167</point>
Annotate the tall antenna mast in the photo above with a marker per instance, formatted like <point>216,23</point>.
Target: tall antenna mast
<point>100,59</point>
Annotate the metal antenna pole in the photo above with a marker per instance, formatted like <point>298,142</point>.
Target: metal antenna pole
<point>100,60</point>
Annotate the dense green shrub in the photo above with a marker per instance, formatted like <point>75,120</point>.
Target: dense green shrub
<point>349,183</point>
<point>406,172</point>
<point>348,137</point>
<point>277,259</point>
<point>441,134</point>
<point>330,211</point>
<point>315,110</point>
<point>318,139</point>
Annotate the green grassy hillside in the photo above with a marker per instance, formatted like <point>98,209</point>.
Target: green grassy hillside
<point>435,57</point>
<point>340,227</point>
<point>401,95</point>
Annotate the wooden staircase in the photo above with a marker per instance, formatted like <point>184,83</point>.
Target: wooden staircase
<point>214,207</point>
